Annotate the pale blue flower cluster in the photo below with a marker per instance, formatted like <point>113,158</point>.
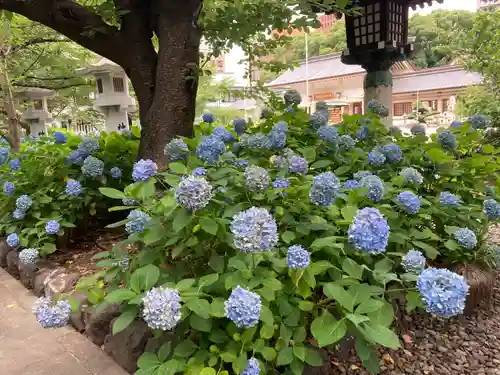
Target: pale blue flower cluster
<point>351,184</point>
<point>411,176</point>
<point>144,169</point>
<point>252,367</point>
<point>24,203</point>
<point>193,193</point>
<point>447,139</point>
<point>52,227</point>
<point>491,209</point>
<point>369,232</point>
<point>392,152</point>
<point>50,315</point>
<point>221,133</point>
<point>360,174</point>
<point>418,129</point>
<point>279,162</point>
<point>324,189</point>
<point>241,163</point>
<point>443,292</point>
<point>297,164</point>
<point>15,164</point>
<point>122,263</point>
<point>448,199</point>
<point>254,230</point>
<point>280,126</point>
<point>59,138</point>
<point>210,149</point>
<point>376,158</point>
<point>240,125</point>
<point>92,167</point>
<point>292,97</point>
<point>375,187</point>
<point>200,171</point>
<point>329,134</point>
<point>378,108</point>
<point>409,201</point>
<point>12,240</point>
<point>74,157</point>
<point>256,178</point>
<point>318,119</point>
<point>116,173</point>
<point>129,202</point>
<point>346,142</point>
<point>19,214</point>
<point>73,188</point>
<point>87,147</point>
<point>139,220</point>
<point>298,257</point>
<point>176,150</point>
<point>455,124</point>
<point>281,183</point>
<point>258,141</point>
<point>478,121</point>
<point>208,118</point>
<point>363,133</point>
<point>466,238</point>
<point>28,256</point>
<point>9,188</point>
<point>413,262</point>
<point>162,308</point>
<point>277,137</point>
<point>243,308</point>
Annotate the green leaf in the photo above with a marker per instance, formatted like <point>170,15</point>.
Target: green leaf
<point>348,212</point>
<point>381,335</point>
<point>321,164</point>
<point>112,193</point>
<point>164,351</point>
<point>306,305</point>
<point>320,267</point>
<point>148,360</point>
<point>200,307</point>
<point>309,154</point>
<point>268,353</point>
<point>144,278</point>
<point>184,284</point>
<point>357,319</point>
<point>208,371</point>
<point>169,367</point>
<point>327,330</point>
<point>413,300</point>
<point>300,352</point>
<point>266,332</point>
<point>208,280</point>
<point>266,315</point>
<point>125,319</point>
<point>95,295</point>
<point>216,262</point>
<point>200,324</point>
<point>320,243</point>
<point>285,357</point>
<point>217,307</point>
<point>339,294</point>
<point>185,349</point>
<point>288,236</point>
<point>313,357</point>
<point>299,335</point>
<point>209,225</point>
<point>369,306</point>
<point>352,268</point>
<point>177,168</point>
<point>48,248</point>
<point>120,295</point>
<point>430,252</point>
<point>181,220</point>
<point>342,170</point>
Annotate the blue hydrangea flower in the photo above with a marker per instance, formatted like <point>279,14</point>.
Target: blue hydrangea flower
<point>329,134</point>
<point>418,129</point>
<point>380,109</point>
<point>199,172</point>
<point>298,257</point>
<point>15,164</point>
<point>292,97</point>
<point>129,202</point>
<point>19,214</point>
<point>73,188</point>
<point>59,138</point>
<point>243,308</point>
<point>455,124</point>
<point>290,110</point>
<point>240,125</point>
<point>13,240</point>
<point>50,315</point>
<point>318,119</point>
<point>116,173</point>
<point>252,367</point>
<point>369,231</point>
<point>75,157</point>
<point>375,187</point>
<point>92,167</point>
<point>281,183</point>
<point>241,163</point>
<point>139,221</point>
<point>176,150</point>
<point>409,201</point>
<point>346,142</point>
<point>122,263</point>
<point>394,130</point>
<point>363,133</point>
<point>360,174</point>
<point>277,139</point>
<point>392,152</point>
<point>279,162</point>
<point>24,202</point>
<point>52,227</point>
<point>208,118</point>
<point>443,292</point>
<point>256,178</point>
<point>412,176</point>
<point>351,184</point>
<point>193,193</point>
<point>28,256</point>
<point>324,189</point>
<point>221,133</point>
<point>478,121</point>
<point>280,126</point>
<point>4,151</point>
<point>414,262</point>
<point>254,230</point>
<point>210,149</point>
<point>491,209</point>
<point>376,158</point>
<point>466,238</point>
<point>448,199</point>
<point>259,141</point>
<point>9,188</point>
<point>297,164</point>
<point>162,308</point>
<point>88,146</point>
<point>447,139</point>
<point>144,169</point>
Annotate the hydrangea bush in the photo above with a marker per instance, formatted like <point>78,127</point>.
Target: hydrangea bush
<point>256,268</point>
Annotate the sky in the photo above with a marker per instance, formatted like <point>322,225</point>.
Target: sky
<point>450,5</point>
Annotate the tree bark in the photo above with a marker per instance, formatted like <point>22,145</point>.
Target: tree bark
<point>10,109</point>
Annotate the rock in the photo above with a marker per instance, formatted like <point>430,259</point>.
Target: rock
<point>13,263</point>
<point>27,274</point>
<point>127,346</point>
<point>59,281</point>
<point>4,250</point>
<point>98,320</point>
<point>77,317</point>
<point>39,280</point>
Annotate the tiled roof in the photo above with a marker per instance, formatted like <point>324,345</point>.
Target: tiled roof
<point>434,79</point>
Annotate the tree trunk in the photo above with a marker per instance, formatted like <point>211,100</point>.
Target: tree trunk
<point>170,111</point>
<point>10,109</point>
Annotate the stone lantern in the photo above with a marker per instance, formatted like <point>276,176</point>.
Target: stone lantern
<point>112,94</point>
<point>36,112</point>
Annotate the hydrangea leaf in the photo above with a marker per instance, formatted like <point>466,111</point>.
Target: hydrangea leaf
<point>381,335</point>
<point>112,193</point>
<point>200,307</point>
<point>148,360</point>
<point>313,357</point>
<point>327,330</point>
<point>125,319</point>
<point>144,278</point>
<point>200,324</point>
<point>185,349</point>
<point>209,225</point>
<point>285,357</point>
<point>352,268</point>
<point>339,294</point>
<point>120,295</point>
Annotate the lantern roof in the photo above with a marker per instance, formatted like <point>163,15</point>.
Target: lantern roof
<point>101,66</point>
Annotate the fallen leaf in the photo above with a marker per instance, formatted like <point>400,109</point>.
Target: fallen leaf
<point>387,358</point>
<point>354,367</point>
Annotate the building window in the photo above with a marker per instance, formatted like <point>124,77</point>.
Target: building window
<point>401,109</point>
<point>99,86</point>
<point>357,108</point>
<point>38,105</point>
<point>446,102</point>
<point>432,104</point>
<point>118,84</point>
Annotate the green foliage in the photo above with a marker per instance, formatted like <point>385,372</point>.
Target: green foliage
<point>342,291</point>
<point>421,112</point>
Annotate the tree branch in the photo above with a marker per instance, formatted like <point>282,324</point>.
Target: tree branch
<point>49,87</point>
<point>52,78</point>
<point>32,42</point>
